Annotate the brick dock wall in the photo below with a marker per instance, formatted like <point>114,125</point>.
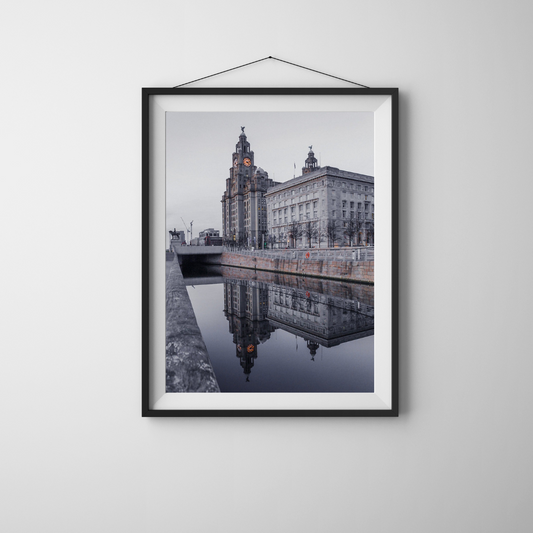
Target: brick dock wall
<point>353,271</point>
<point>188,368</point>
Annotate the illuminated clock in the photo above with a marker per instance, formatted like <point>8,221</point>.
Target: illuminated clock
<point>247,161</point>
<point>235,162</point>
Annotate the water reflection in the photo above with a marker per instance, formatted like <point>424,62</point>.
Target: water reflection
<point>246,308</point>
<point>265,310</point>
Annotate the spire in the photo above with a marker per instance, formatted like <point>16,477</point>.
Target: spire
<point>243,146</point>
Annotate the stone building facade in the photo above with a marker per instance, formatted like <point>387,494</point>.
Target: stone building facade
<point>321,197</point>
<point>209,237</point>
<point>244,217</point>
<point>209,232</point>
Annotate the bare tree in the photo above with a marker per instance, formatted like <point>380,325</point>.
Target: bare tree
<point>321,234</point>
<point>309,231</point>
<point>370,232</point>
<point>353,228</point>
<point>331,232</point>
<point>295,231</point>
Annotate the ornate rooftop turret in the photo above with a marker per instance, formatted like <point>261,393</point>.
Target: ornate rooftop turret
<point>311,163</point>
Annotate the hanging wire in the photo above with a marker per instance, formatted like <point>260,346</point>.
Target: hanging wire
<point>276,59</point>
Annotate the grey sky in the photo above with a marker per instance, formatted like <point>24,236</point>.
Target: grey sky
<point>199,146</point>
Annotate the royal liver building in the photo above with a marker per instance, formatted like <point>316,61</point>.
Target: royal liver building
<point>244,217</point>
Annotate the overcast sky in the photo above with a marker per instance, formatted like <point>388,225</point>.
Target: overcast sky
<point>199,148</point>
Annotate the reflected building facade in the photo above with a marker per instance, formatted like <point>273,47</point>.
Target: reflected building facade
<point>256,308</point>
<point>319,318</point>
<point>246,307</point>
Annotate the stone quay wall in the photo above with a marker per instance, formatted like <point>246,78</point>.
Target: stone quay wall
<point>337,269</point>
<point>360,292</point>
<point>188,367</point>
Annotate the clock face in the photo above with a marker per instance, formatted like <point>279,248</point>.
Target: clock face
<point>234,162</point>
<point>247,161</point>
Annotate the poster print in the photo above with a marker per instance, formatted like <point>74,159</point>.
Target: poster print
<point>271,229</point>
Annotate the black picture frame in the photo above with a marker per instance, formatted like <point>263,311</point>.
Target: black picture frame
<point>154,102</point>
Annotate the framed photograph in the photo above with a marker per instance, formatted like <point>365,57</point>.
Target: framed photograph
<point>270,252</point>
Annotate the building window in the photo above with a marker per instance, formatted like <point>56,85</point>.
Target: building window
<point>344,214</point>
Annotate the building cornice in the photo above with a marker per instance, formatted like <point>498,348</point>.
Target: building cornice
<point>323,172</point>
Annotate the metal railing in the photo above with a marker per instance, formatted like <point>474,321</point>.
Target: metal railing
<point>358,253</point>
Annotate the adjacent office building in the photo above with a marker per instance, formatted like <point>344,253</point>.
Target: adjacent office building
<point>321,196</point>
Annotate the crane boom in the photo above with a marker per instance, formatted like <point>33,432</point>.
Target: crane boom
<point>187,229</point>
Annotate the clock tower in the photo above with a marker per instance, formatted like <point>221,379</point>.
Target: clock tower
<point>233,208</point>
<point>244,217</point>
<point>243,160</point>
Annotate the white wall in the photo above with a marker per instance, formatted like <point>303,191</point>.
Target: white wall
<point>77,456</point>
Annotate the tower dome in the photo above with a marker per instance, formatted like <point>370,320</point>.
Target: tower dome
<point>311,163</point>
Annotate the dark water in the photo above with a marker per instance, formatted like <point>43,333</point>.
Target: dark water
<point>269,332</point>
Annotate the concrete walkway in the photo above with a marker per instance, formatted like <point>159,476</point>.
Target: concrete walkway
<point>188,368</point>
